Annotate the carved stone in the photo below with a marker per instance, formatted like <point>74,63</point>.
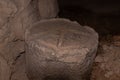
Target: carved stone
<point>59,49</point>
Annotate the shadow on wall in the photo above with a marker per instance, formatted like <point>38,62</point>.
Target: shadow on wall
<point>102,15</point>
<point>97,6</point>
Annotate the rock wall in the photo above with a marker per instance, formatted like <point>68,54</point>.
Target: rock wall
<point>15,18</point>
<point>107,62</point>
<point>48,8</point>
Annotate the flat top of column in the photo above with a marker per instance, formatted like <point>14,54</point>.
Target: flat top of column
<point>62,33</point>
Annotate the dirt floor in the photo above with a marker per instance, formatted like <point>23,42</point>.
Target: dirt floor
<point>107,61</point>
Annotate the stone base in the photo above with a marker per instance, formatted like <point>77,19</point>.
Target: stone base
<point>59,48</point>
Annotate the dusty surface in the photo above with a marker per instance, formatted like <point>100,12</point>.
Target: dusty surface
<point>107,62</point>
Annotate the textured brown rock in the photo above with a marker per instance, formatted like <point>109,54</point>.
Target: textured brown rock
<point>26,14</point>
<point>59,49</point>
<point>15,18</point>
<point>48,8</point>
<point>11,27</point>
<point>10,46</point>
<point>4,69</point>
<point>19,69</point>
<point>7,9</point>
<point>107,62</point>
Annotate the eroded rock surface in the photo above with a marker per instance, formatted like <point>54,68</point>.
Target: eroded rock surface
<point>15,18</point>
<point>48,9</point>
<point>107,62</point>
<point>59,48</point>
<point>4,69</point>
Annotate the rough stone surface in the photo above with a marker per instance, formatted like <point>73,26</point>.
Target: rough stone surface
<point>48,8</point>
<point>15,18</point>
<point>18,72</point>
<point>107,62</point>
<point>59,49</point>
<point>4,69</point>
<point>12,29</point>
<point>26,14</point>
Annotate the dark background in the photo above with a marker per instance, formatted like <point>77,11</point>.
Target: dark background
<point>102,15</point>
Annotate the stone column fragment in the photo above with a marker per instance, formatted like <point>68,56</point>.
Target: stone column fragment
<point>59,49</point>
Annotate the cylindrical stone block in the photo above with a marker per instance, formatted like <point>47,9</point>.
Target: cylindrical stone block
<point>59,49</point>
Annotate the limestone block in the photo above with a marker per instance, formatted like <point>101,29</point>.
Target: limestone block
<point>59,49</point>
